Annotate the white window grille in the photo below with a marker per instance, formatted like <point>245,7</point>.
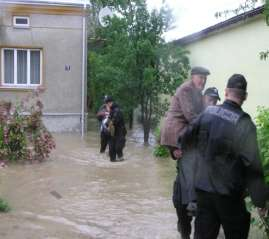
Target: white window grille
<point>21,67</point>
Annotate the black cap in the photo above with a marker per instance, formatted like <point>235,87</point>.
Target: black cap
<point>107,99</point>
<point>198,70</point>
<point>237,81</point>
<point>213,92</point>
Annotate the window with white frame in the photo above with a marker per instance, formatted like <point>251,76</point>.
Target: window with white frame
<point>21,21</point>
<point>21,67</point>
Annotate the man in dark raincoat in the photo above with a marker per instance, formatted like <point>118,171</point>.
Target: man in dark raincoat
<point>117,131</point>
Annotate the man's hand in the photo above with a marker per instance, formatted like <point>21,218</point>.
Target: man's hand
<point>177,153</point>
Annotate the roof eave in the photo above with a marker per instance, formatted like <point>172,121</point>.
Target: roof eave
<point>219,26</point>
<point>46,3</point>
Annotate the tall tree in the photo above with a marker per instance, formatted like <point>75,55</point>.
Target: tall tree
<point>160,67</point>
<point>111,58</point>
<point>135,64</point>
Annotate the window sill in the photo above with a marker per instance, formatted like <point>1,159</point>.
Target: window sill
<point>21,27</point>
<point>20,88</point>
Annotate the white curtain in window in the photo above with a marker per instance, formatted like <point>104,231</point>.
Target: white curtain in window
<point>22,67</point>
<point>9,66</point>
<point>35,67</point>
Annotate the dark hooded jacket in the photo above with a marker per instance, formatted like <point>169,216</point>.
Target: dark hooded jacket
<point>116,116</point>
<point>227,161</point>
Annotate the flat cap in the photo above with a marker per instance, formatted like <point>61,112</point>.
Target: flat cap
<point>198,70</point>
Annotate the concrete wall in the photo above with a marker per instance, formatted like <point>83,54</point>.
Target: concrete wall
<point>236,50</point>
<point>60,38</point>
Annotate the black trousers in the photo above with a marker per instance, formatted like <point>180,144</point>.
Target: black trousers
<point>116,145</point>
<point>215,210</point>
<point>104,141</point>
<point>184,220</point>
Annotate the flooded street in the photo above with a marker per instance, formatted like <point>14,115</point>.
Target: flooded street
<point>79,193</point>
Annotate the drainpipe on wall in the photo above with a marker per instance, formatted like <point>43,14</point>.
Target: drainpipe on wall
<point>83,80</point>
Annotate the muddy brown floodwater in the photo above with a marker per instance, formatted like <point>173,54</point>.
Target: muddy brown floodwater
<point>79,193</point>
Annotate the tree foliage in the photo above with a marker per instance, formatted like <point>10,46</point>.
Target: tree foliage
<point>266,11</point>
<point>262,120</point>
<point>134,63</point>
<point>242,8</point>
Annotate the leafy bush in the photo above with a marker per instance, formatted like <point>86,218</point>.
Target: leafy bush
<point>4,207</point>
<point>262,122</point>
<point>22,133</point>
<point>159,150</point>
<point>15,137</point>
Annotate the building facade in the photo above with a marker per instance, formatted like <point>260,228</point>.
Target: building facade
<point>234,46</point>
<point>43,45</point>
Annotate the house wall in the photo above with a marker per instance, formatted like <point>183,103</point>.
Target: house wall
<point>60,38</point>
<point>236,50</point>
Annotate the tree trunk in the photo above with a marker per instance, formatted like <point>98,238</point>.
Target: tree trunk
<point>131,118</point>
<point>146,127</point>
<point>146,111</point>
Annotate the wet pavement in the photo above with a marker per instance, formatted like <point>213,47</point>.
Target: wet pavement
<point>79,193</point>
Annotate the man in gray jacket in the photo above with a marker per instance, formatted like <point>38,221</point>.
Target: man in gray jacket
<point>185,106</point>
